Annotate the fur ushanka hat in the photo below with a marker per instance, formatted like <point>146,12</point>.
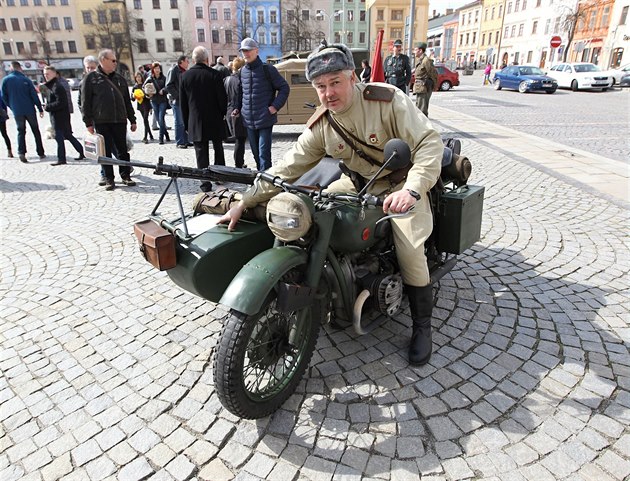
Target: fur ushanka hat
<point>328,58</point>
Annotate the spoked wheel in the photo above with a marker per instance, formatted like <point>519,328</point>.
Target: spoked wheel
<point>261,358</point>
<point>522,87</point>
<point>497,84</point>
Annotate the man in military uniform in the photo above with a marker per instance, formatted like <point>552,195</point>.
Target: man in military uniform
<point>426,78</point>
<point>397,68</point>
<point>374,114</point>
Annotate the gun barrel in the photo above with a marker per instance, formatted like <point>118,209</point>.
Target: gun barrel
<point>219,173</point>
<point>132,163</point>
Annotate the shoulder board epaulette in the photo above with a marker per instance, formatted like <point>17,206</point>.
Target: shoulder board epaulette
<point>318,114</point>
<point>379,93</point>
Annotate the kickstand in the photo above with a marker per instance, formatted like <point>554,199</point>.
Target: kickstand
<point>173,181</point>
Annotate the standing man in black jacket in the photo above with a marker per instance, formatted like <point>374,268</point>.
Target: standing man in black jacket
<point>204,103</point>
<point>106,106</point>
<point>397,68</point>
<point>58,106</point>
<point>173,80</point>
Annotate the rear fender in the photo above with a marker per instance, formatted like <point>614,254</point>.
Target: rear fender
<point>250,287</point>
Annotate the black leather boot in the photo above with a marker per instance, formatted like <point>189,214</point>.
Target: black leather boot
<point>421,306</point>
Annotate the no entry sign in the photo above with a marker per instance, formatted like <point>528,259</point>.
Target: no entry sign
<point>555,41</point>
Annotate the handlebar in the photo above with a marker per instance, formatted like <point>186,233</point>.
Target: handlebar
<point>364,199</point>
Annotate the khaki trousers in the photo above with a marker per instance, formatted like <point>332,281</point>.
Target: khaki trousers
<point>422,102</point>
<point>410,232</point>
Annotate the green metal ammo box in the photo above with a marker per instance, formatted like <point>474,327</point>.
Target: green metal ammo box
<point>459,218</point>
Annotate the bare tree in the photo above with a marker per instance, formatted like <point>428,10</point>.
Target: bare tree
<point>42,29</point>
<point>184,34</point>
<point>108,29</point>
<point>576,17</point>
<point>245,27</point>
<point>112,27</point>
<point>300,26</point>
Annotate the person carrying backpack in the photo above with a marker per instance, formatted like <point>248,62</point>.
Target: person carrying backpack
<point>426,78</point>
<point>264,92</point>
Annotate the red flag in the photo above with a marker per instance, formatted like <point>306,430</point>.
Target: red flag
<point>377,61</point>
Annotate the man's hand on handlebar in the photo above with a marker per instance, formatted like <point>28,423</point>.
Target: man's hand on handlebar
<point>232,216</point>
<point>399,201</point>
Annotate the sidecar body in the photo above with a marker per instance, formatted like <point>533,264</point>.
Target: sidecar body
<point>210,257</point>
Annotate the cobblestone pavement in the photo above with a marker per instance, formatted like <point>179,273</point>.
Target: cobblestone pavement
<point>106,370</point>
<point>596,122</point>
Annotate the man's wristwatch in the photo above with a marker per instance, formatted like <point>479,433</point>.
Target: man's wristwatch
<point>414,194</point>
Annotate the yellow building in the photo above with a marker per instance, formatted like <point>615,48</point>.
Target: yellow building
<point>468,33</point>
<point>491,27</point>
<point>391,16</point>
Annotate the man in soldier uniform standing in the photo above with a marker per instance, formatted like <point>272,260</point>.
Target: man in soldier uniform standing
<point>397,68</point>
<point>426,78</point>
<point>373,114</point>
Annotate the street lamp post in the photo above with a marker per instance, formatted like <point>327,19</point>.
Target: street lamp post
<point>127,32</point>
<point>331,18</point>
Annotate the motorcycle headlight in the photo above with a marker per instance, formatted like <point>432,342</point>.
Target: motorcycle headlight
<point>289,216</point>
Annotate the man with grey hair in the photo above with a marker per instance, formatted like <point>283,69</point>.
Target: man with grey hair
<point>106,109</point>
<point>370,114</point>
<point>221,68</point>
<point>89,65</point>
<point>203,103</point>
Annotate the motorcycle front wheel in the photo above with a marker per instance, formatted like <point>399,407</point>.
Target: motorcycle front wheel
<point>260,359</point>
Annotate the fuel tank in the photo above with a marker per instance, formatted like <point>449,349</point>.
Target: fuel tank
<point>355,228</point>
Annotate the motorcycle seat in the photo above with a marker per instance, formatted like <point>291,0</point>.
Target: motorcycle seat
<point>323,174</point>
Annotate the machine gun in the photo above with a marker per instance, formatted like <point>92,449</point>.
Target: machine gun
<point>216,173</point>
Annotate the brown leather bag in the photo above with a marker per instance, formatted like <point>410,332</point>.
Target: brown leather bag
<point>157,245</point>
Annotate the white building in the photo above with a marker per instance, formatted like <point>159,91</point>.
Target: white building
<point>528,28</point>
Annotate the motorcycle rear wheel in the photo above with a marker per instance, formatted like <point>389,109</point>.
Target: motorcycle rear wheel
<point>260,359</point>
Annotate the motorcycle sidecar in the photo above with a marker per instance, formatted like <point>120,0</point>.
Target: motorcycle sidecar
<point>211,256</point>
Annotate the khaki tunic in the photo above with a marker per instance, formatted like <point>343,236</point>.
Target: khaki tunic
<point>375,122</point>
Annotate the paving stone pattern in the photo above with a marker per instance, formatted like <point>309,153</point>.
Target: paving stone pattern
<point>106,364</point>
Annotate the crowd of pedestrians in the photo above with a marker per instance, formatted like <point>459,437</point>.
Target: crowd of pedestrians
<point>210,103</point>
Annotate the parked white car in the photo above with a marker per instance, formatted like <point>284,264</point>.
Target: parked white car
<point>577,76</point>
<point>617,73</point>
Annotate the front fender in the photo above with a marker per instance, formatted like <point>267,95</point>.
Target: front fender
<point>249,288</point>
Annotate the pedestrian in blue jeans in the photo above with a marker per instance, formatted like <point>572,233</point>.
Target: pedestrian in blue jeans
<point>264,92</point>
<point>159,102</point>
<point>173,80</point>
<point>19,94</point>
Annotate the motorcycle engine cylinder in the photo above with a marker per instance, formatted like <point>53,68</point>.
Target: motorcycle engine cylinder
<point>386,291</point>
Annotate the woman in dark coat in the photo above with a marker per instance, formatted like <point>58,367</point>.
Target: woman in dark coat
<point>144,105</point>
<point>366,72</point>
<point>237,129</point>
<point>159,101</point>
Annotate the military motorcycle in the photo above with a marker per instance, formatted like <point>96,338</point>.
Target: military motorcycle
<point>320,257</point>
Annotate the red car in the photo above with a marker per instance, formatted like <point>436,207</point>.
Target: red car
<point>446,78</point>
